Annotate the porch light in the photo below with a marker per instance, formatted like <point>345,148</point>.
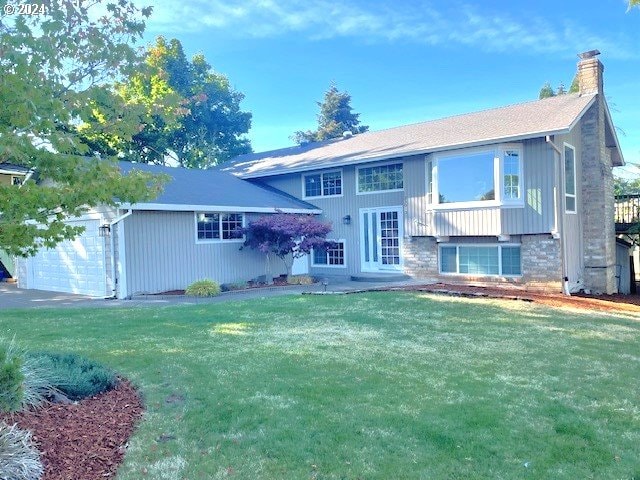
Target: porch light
<point>104,230</point>
<point>346,220</point>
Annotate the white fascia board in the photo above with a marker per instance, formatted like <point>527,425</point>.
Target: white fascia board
<point>409,153</point>
<point>168,207</point>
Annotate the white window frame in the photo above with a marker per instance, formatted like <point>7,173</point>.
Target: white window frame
<point>493,245</point>
<point>325,265</point>
<point>322,174</point>
<point>498,152</point>
<point>374,192</point>
<point>573,195</point>
<point>219,240</point>
<point>17,177</point>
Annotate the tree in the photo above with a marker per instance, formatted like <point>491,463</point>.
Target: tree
<point>634,3</point>
<point>287,236</point>
<point>206,126</point>
<point>55,68</point>
<point>336,117</point>
<point>547,90</point>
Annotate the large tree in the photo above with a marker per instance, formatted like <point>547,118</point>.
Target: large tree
<point>336,117</point>
<point>208,126</point>
<point>55,68</point>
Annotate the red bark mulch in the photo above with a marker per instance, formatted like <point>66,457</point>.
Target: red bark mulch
<point>602,303</point>
<point>83,441</point>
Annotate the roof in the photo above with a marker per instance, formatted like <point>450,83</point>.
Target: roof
<point>13,169</point>
<point>550,116</point>
<point>212,190</point>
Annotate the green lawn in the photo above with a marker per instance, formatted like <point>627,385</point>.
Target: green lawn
<point>366,386</point>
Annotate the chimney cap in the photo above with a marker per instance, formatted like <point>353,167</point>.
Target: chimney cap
<point>589,54</point>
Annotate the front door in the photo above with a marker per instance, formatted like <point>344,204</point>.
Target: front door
<point>381,239</point>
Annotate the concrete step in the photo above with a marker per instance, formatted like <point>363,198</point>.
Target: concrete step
<point>380,277</point>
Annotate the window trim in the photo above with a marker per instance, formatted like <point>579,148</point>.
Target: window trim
<point>17,177</point>
<point>358,168</point>
<point>326,265</point>
<point>218,240</point>
<point>322,173</point>
<point>478,275</point>
<point>498,152</point>
<point>574,195</point>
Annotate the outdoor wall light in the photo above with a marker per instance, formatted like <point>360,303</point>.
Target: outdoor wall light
<point>346,220</point>
<point>104,230</point>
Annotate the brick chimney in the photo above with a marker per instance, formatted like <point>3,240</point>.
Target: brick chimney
<point>590,71</point>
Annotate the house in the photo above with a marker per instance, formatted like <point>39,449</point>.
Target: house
<point>520,195</point>
<point>10,175</point>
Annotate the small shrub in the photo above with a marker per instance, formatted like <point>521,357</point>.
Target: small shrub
<point>11,378</point>
<point>75,376</point>
<point>300,280</point>
<point>19,459</point>
<point>203,288</point>
<point>228,287</point>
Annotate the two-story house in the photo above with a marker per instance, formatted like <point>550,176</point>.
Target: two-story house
<point>519,195</point>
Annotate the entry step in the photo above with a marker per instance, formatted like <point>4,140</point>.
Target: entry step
<point>380,277</point>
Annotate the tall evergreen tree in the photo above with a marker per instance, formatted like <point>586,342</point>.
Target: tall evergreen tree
<point>336,117</point>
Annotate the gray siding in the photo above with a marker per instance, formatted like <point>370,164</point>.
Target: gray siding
<point>162,255</point>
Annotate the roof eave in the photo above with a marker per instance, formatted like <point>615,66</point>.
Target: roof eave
<point>171,207</point>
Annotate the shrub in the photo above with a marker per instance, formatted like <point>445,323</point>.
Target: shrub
<point>228,287</point>
<point>19,459</point>
<point>300,280</point>
<point>11,378</point>
<point>75,376</point>
<point>203,288</point>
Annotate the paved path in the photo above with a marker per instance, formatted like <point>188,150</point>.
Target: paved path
<point>12,297</point>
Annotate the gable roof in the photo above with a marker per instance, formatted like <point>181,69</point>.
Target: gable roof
<point>10,168</point>
<point>212,190</point>
<point>550,116</point>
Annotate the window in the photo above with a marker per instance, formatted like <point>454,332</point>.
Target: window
<point>17,181</point>
<point>481,259</point>
<point>219,226</point>
<point>477,177</point>
<point>332,256</point>
<point>569,179</point>
<point>380,178</point>
<point>323,184</point>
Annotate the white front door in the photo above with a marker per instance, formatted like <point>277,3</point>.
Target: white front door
<point>381,239</point>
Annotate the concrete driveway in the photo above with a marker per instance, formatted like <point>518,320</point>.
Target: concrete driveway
<point>12,297</point>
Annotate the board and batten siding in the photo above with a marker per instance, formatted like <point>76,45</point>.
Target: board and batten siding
<point>162,255</point>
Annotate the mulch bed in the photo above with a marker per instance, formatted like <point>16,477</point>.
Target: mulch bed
<point>83,441</point>
<point>602,303</point>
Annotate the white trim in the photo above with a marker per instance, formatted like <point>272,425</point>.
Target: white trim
<point>215,208</point>
<point>376,266</point>
<point>322,173</point>
<point>382,164</point>
<point>477,275</point>
<point>122,262</point>
<point>564,178</point>
<point>218,240</point>
<point>326,265</point>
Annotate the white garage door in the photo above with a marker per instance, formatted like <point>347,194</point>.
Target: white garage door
<point>76,266</point>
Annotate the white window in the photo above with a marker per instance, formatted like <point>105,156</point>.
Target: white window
<point>328,184</point>
<point>17,181</point>
<point>569,179</point>
<point>332,256</point>
<point>219,226</point>
<point>476,177</point>
<point>380,178</point>
<point>491,260</point>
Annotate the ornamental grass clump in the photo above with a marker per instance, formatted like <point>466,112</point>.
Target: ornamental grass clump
<point>19,459</point>
<point>203,288</point>
<point>11,378</point>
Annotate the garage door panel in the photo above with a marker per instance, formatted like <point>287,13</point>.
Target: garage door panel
<point>76,266</point>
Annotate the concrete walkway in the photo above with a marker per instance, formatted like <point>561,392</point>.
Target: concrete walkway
<point>12,297</point>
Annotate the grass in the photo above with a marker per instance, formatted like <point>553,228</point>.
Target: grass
<point>368,386</point>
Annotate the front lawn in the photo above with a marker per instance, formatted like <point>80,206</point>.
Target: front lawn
<point>366,386</point>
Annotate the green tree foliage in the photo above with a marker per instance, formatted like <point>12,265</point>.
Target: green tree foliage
<point>55,69</point>
<point>634,3</point>
<point>547,90</point>
<point>200,123</point>
<point>336,117</point>
<point>625,186</point>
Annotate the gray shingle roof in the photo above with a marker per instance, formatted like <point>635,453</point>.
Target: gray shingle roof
<point>192,189</point>
<point>515,122</point>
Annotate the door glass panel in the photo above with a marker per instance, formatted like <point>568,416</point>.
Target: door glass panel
<point>366,237</point>
<point>374,240</point>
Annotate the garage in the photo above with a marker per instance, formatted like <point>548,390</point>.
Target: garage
<point>73,266</point>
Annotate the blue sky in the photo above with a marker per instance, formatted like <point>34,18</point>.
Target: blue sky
<point>405,61</point>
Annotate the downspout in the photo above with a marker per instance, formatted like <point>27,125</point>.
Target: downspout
<point>121,268</point>
<point>558,217</point>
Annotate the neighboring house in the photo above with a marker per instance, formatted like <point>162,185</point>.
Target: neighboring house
<point>186,234</point>
<point>10,175</point>
<point>517,195</point>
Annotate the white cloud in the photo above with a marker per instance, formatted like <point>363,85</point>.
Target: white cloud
<point>458,24</point>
